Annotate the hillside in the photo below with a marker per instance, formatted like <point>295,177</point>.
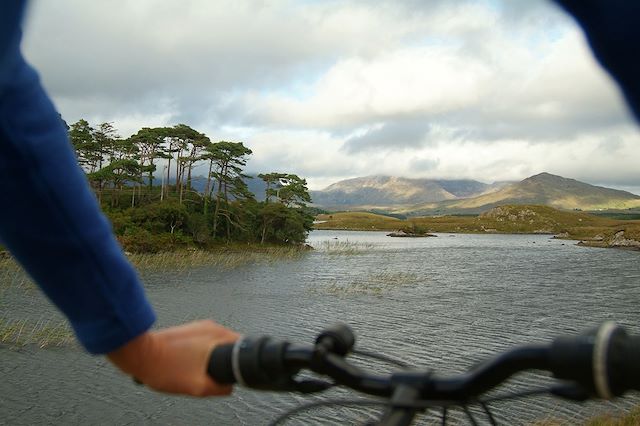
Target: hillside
<point>391,191</point>
<point>541,189</point>
<point>503,219</point>
<point>256,185</point>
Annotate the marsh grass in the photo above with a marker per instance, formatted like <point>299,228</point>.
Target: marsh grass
<point>48,333</point>
<point>12,275</point>
<point>226,258</point>
<point>344,248</point>
<point>631,418</point>
<point>42,333</point>
<point>374,284</point>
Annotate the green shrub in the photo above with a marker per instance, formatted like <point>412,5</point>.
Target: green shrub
<point>144,241</point>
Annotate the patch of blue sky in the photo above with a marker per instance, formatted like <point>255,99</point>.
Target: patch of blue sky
<point>237,132</point>
<point>550,24</point>
<point>551,33</point>
<point>493,5</point>
<point>308,2</point>
<point>303,85</point>
<point>432,41</point>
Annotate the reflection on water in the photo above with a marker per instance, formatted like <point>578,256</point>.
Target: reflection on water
<point>441,303</point>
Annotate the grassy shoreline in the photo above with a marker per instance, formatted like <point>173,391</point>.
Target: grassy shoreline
<point>227,257</point>
<point>630,418</point>
<point>42,333</point>
<point>590,230</point>
<point>45,333</point>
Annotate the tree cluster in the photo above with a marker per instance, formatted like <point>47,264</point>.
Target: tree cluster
<point>125,172</point>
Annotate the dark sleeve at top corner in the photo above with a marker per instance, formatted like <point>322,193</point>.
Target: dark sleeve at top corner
<point>613,31</point>
<point>11,12</point>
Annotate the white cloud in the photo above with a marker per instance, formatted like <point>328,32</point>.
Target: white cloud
<point>335,89</point>
<point>357,91</point>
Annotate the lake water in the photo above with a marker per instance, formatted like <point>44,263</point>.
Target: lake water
<point>443,303</point>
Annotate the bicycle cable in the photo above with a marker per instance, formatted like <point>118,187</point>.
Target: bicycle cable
<point>380,357</point>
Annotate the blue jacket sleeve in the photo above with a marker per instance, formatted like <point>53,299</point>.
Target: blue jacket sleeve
<point>50,220</point>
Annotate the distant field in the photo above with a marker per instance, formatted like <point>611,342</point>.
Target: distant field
<point>512,219</point>
<point>358,221</point>
<point>618,215</point>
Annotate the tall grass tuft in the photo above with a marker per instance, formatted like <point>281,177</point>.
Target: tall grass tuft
<point>12,275</point>
<point>41,333</point>
<point>631,418</point>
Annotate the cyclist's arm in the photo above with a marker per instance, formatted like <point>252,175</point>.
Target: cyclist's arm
<point>50,219</point>
<point>51,222</point>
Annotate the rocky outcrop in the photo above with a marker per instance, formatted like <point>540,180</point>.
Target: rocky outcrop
<point>618,240</point>
<point>510,214</point>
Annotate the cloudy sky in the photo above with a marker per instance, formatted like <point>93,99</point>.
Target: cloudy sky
<point>330,89</point>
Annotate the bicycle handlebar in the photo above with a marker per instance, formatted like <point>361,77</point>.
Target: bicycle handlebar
<point>601,363</point>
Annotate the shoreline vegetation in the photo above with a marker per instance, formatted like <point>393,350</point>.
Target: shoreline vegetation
<point>226,257</point>
<point>588,229</point>
<point>630,418</point>
<point>41,333</point>
<point>48,333</point>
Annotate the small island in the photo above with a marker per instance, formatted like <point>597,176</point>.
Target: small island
<point>408,234</point>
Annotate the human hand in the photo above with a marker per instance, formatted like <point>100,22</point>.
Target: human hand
<point>174,360</point>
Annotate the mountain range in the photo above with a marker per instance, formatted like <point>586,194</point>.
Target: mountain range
<point>436,196</point>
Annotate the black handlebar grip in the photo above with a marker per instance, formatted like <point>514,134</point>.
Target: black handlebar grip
<point>606,361</point>
<point>220,366</point>
<point>571,358</point>
<point>624,362</point>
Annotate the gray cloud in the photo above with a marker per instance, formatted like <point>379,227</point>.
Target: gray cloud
<point>422,165</point>
<point>399,134</point>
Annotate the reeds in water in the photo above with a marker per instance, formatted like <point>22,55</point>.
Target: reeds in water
<point>630,418</point>
<point>374,284</point>
<point>12,275</point>
<point>41,333</point>
<point>344,248</point>
<point>227,258</point>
